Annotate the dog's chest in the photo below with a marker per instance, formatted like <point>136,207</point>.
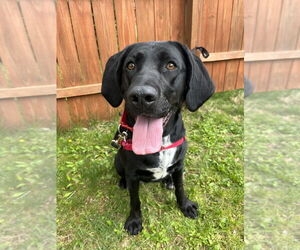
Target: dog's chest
<point>166,160</point>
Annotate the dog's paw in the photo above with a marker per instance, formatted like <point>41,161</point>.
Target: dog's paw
<point>133,225</point>
<point>190,209</point>
<point>122,183</point>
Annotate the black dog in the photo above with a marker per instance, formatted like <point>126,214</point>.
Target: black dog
<point>155,79</point>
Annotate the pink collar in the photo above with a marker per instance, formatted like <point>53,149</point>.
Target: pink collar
<point>127,144</point>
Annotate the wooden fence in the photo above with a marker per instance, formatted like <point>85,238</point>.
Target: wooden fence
<point>90,31</point>
<point>272,44</point>
<point>27,62</point>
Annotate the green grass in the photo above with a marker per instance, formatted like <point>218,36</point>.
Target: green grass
<point>91,209</point>
<point>27,190</point>
<point>272,176</point>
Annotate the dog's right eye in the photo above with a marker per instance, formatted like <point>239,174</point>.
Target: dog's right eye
<point>130,66</point>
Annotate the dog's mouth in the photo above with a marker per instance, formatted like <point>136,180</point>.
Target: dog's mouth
<point>147,134</point>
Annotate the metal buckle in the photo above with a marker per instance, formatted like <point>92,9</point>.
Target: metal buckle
<point>122,136</point>
<point>115,144</point>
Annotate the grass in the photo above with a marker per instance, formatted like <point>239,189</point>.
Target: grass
<point>91,209</point>
<point>272,176</point>
<point>27,190</point>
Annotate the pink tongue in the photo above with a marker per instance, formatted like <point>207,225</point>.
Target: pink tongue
<point>147,135</point>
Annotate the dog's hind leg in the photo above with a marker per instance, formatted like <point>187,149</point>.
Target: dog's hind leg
<point>120,171</point>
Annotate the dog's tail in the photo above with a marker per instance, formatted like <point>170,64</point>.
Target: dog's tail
<point>203,51</point>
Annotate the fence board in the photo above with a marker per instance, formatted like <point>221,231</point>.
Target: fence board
<point>9,114</point>
<point>145,20</point>
<point>29,91</point>
<point>236,42</point>
<point>289,22</point>
<point>42,112</point>
<point>207,28</point>
<point>126,22</point>
<point>85,37</point>
<point>162,20</point>
<point>68,61</point>
<point>265,36</point>
<point>264,40</point>
<point>84,33</point>
<point>273,55</point>
<point>177,20</point>
<point>40,35</point>
<point>77,109</point>
<point>240,79</point>
<point>13,44</point>
<point>222,41</point>
<point>66,48</point>
<point>101,109</point>
<point>39,19</point>
<point>78,90</point>
<point>294,78</point>
<point>63,114</point>
<point>192,17</point>
<point>237,26</point>
<point>105,28</point>
<point>240,74</point>
<point>250,11</point>
<point>250,20</point>
<point>18,60</point>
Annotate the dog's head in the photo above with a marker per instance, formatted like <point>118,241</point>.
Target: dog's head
<point>156,77</point>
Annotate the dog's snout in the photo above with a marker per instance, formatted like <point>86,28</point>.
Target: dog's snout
<point>143,95</point>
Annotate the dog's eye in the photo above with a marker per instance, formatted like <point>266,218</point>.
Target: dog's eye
<point>130,66</point>
<point>171,66</point>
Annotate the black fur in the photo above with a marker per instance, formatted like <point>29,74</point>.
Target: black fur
<point>188,83</point>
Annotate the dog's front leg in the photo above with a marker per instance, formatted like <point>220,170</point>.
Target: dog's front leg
<point>188,208</point>
<point>133,223</point>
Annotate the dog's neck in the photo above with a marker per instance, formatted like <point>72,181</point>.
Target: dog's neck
<point>173,128</point>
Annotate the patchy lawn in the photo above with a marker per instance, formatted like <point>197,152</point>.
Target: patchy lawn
<point>27,189</point>
<point>272,176</point>
<point>92,209</point>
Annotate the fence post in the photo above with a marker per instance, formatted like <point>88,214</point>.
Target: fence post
<point>192,12</point>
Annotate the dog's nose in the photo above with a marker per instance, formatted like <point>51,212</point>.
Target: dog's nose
<point>143,95</point>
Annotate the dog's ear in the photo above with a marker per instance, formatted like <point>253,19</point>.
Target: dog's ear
<point>199,86</point>
<point>112,77</point>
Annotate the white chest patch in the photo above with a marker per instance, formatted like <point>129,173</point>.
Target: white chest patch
<point>166,159</point>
